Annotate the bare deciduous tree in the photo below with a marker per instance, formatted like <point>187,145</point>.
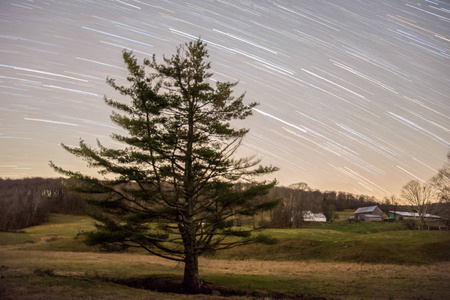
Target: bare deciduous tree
<point>421,198</point>
<point>441,180</point>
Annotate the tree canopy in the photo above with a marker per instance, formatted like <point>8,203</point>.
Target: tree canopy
<point>171,188</point>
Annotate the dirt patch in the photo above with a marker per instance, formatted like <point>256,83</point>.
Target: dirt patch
<point>172,285</point>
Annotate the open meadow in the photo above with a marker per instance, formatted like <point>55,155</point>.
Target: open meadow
<point>339,261</point>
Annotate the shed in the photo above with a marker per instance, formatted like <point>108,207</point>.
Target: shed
<point>404,215</point>
<point>369,213</point>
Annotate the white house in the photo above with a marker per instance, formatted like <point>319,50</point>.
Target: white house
<point>309,216</point>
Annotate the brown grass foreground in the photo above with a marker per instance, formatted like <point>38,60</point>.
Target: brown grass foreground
<point>82,276</point>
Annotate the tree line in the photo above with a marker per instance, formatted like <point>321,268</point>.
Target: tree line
<point>29,201</point>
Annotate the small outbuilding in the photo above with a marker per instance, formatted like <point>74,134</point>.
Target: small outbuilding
<point>309,216</point>
<point>405,215</point>
<point>369,214</point>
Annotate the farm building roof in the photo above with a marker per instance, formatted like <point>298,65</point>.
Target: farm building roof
<point>413,214</point>
<point>320,215</point>
<point>367,209</point>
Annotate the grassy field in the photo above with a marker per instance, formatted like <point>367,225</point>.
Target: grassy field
<point>340,260</point>
<point>372,242</point>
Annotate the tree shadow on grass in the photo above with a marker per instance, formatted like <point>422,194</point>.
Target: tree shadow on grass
<point>170,284</point>
<point>166,284</point>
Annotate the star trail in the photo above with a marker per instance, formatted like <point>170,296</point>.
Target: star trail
<point>354,95</point>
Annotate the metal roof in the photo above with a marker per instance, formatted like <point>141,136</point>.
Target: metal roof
<point>367,209</point>
<point>412,214</point>
<point>320,215</point>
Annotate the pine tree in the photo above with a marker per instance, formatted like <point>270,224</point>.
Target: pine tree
<point>172,188</point>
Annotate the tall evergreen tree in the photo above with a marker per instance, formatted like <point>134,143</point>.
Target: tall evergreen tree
<point>171,189</point>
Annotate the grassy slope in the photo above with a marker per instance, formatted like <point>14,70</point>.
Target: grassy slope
<point>282,267</point>
<point>374,242</point>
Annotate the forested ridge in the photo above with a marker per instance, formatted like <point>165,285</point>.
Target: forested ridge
<point>29,201</point>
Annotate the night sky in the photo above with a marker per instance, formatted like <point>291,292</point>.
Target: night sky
<point>354,95</point>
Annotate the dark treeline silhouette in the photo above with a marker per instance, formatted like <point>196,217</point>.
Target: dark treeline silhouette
<point>29,201</point>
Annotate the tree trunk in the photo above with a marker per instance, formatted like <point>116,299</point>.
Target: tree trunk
<point>191,280</point>
<point>421,222</point>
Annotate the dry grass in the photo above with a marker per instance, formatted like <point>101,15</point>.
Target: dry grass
<point>70,288</point>
<point>341,280</point>
<point>307,269</point>
<point>74,275</point>
<point>305,261</point>
<point>260,267</point>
